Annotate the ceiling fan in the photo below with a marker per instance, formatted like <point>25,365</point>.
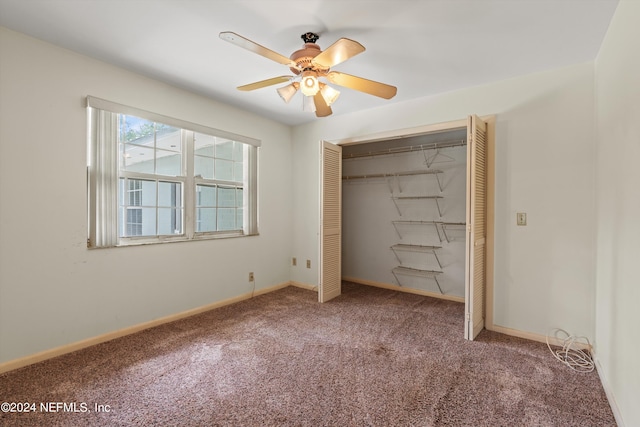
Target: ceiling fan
<point>310,63</point>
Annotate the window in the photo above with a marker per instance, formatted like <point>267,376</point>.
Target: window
<point>153,179</point>
<point>219,171</point>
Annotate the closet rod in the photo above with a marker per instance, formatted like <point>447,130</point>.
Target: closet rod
<point>391,175</point>
<point>408,149</point>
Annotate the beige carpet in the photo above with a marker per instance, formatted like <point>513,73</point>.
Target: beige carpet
<point>371,357</point>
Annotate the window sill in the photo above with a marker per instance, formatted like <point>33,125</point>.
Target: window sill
<point>171,239</point>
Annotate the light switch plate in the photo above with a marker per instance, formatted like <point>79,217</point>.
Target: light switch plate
<point>521,218</point>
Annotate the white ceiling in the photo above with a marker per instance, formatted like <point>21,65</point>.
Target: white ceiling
<point>423,47</point>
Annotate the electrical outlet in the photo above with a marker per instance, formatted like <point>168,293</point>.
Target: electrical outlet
<point>521,218</point>
<point>308,263</point>
<point>294,261</point>
<point>251,276</point>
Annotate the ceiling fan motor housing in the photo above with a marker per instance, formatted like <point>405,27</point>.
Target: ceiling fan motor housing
<point>304,56</point>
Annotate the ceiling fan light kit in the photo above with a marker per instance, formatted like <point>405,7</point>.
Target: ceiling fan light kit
<point>287,92</point>
<point>311,63</point>
<point>328,93</point>
<point>310,85</point>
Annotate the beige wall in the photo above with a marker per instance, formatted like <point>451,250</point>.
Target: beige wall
<point>618,210</point>
<point>53,291</point>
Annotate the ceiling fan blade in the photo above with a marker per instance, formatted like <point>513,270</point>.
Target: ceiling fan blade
<point>322,109</point>
<point>254,47</point>
<point>363,85</point>
<point>265,83</point>
<point>338,52</point>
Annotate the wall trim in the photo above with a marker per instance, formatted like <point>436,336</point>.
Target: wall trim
<point>79,345</point>
<point>306,286</point>
<point>608,391</point>
<point>532,336</point>
<point>403,289</point>
<point>402,133</point>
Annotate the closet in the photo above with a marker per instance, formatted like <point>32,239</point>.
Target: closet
<point>403,213</point>
<point>413,214</point>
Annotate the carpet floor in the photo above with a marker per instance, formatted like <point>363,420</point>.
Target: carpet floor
<point>371,357</point>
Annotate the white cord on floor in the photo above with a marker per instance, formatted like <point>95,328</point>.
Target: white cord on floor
<point>569,354</point>
<point>253,290</point>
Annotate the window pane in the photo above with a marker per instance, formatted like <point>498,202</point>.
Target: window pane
<point>224,170</point>
<point>168,138</point>
<point>203,166</point>
<point>239,219</point>
<point>168,163</point>
<point>205,219</point>
<point>239,198</point>
<point>150,147</point>
<point>169,221</point>
<point>137,222</point>
<point>226,197</point>
<point>205,196</point>
<point>122,224</point>
<point>226,219</point>
<point>135,130</point>
<point>121,193</point>
<point>134,222</point>
<point>134,193</point>
<point>238,151</point>
<point>138,159</point>
<point>238,172</point>
<point>224,150</point>
<point>203,144</point>
<point>146,192</point>
<point>148,221</point>
<point>169,194</point>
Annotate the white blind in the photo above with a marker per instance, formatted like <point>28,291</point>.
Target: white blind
<point>103,179</point>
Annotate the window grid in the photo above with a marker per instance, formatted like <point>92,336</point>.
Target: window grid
<point>219,208</point>
<point>216,164</point>
<point>150,206</point>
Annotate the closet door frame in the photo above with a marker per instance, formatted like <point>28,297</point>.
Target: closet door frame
<point>490,196</point>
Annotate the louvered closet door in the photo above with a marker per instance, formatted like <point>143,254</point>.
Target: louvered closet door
<point>476,226</point>
<point>330,222</point>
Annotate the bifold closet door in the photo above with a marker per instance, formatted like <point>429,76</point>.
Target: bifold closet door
<point>330,222</point>
<point>476,227</point>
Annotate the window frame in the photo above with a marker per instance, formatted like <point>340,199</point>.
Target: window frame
<point>104,173</point>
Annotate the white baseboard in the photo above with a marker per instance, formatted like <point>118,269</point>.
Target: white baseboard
<point>304,286</point>
<point>608,392</point>
<point>403,289</point>
<point>534,337</point>
<point>79,345</point>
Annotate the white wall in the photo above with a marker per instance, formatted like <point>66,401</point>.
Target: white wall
<point>618,210</point>
<point>544,272</point>
<point>53,290</point>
